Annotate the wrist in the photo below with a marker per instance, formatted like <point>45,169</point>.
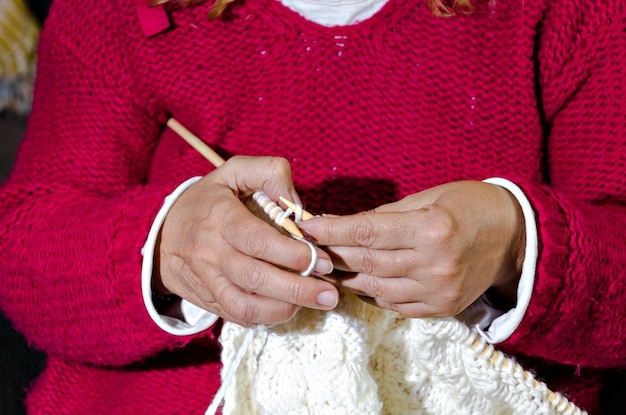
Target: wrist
<point>157,283</point>
<point>503,291</point>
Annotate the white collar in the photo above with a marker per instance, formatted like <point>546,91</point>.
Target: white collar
<point>335,12</point>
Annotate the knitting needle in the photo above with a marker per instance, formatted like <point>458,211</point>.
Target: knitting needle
<point>305,215</point>
<point>195,142</point>
<point>215,159</point>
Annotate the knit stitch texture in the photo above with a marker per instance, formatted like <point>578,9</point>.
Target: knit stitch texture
<point>531,91</point>
<point>359,359</point>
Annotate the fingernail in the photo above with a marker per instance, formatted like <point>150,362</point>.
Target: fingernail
<point>323,266</point>
<point>327,299</point>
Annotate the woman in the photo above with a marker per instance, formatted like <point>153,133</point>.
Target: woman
<point>386,107</point>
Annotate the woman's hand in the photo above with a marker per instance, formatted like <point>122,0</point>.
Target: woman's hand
<point>216,254</point>
<point>430,254</point>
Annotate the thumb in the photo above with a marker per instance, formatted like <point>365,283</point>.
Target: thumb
<point>245,175</point>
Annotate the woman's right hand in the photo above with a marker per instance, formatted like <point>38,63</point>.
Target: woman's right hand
<point>216,254</point>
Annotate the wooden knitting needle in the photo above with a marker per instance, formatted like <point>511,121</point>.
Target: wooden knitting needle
<point>195,142</point>
<point>305,215</point>
<point>215,159</point>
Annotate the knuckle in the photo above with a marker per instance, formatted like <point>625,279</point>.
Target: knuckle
<point>364,233</point>
<point>448,266</point>
<point>298,293</point>
<point>375,288</point>
<point>253,276</point>
<point>256,244</point>
<point>367,262</point>
<point>231,301</point>
<point>280,166</point>
<point>441,228</point>
<point>191,280</point>
<point>232,164</point>
<point>242,311</point>
<point>404,265</point>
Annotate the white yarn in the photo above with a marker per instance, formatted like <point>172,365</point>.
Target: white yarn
<point>359,359</point>
<point>275,213</point>
<point>278,215</point>
<point>219,396</point>
<point>298,212</point>
<point>309,269</point>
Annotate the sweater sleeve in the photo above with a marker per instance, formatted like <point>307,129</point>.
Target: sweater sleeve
<point>577,314</point>
<point>79,203</point>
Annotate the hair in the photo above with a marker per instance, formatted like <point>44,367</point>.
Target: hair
<point>439,8</point>
<point>443,8</point>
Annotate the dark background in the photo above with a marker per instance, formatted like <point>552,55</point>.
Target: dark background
<point>19,364</point>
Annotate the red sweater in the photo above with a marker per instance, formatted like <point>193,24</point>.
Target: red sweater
<point>532,91</point>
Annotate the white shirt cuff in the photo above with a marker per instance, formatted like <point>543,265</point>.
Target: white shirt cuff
<point>194,319</point>
<point>494,325</point>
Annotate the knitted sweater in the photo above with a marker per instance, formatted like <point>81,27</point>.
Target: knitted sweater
<point>531,91</point>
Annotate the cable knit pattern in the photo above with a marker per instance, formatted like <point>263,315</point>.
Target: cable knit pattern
<point>531,91</point>
<point>359,359</point>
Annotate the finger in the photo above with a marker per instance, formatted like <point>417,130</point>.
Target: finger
<point>210,289</point>
<point>411,310</point>
<point>376,230</point>
<point>392,290</point>
<point>381,263</point>
<point>239,306</point>
<point>246,175</point>
<point>408,296</point>
<point>264,279</point>
<point>258,239</point>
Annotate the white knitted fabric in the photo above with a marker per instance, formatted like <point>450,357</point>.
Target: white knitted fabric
<point>358,359</point>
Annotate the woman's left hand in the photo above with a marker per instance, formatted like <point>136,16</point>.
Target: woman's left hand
<point>432,253</point>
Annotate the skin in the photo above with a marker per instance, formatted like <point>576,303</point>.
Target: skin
<point>430,254</point>
<point>216,254</point>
